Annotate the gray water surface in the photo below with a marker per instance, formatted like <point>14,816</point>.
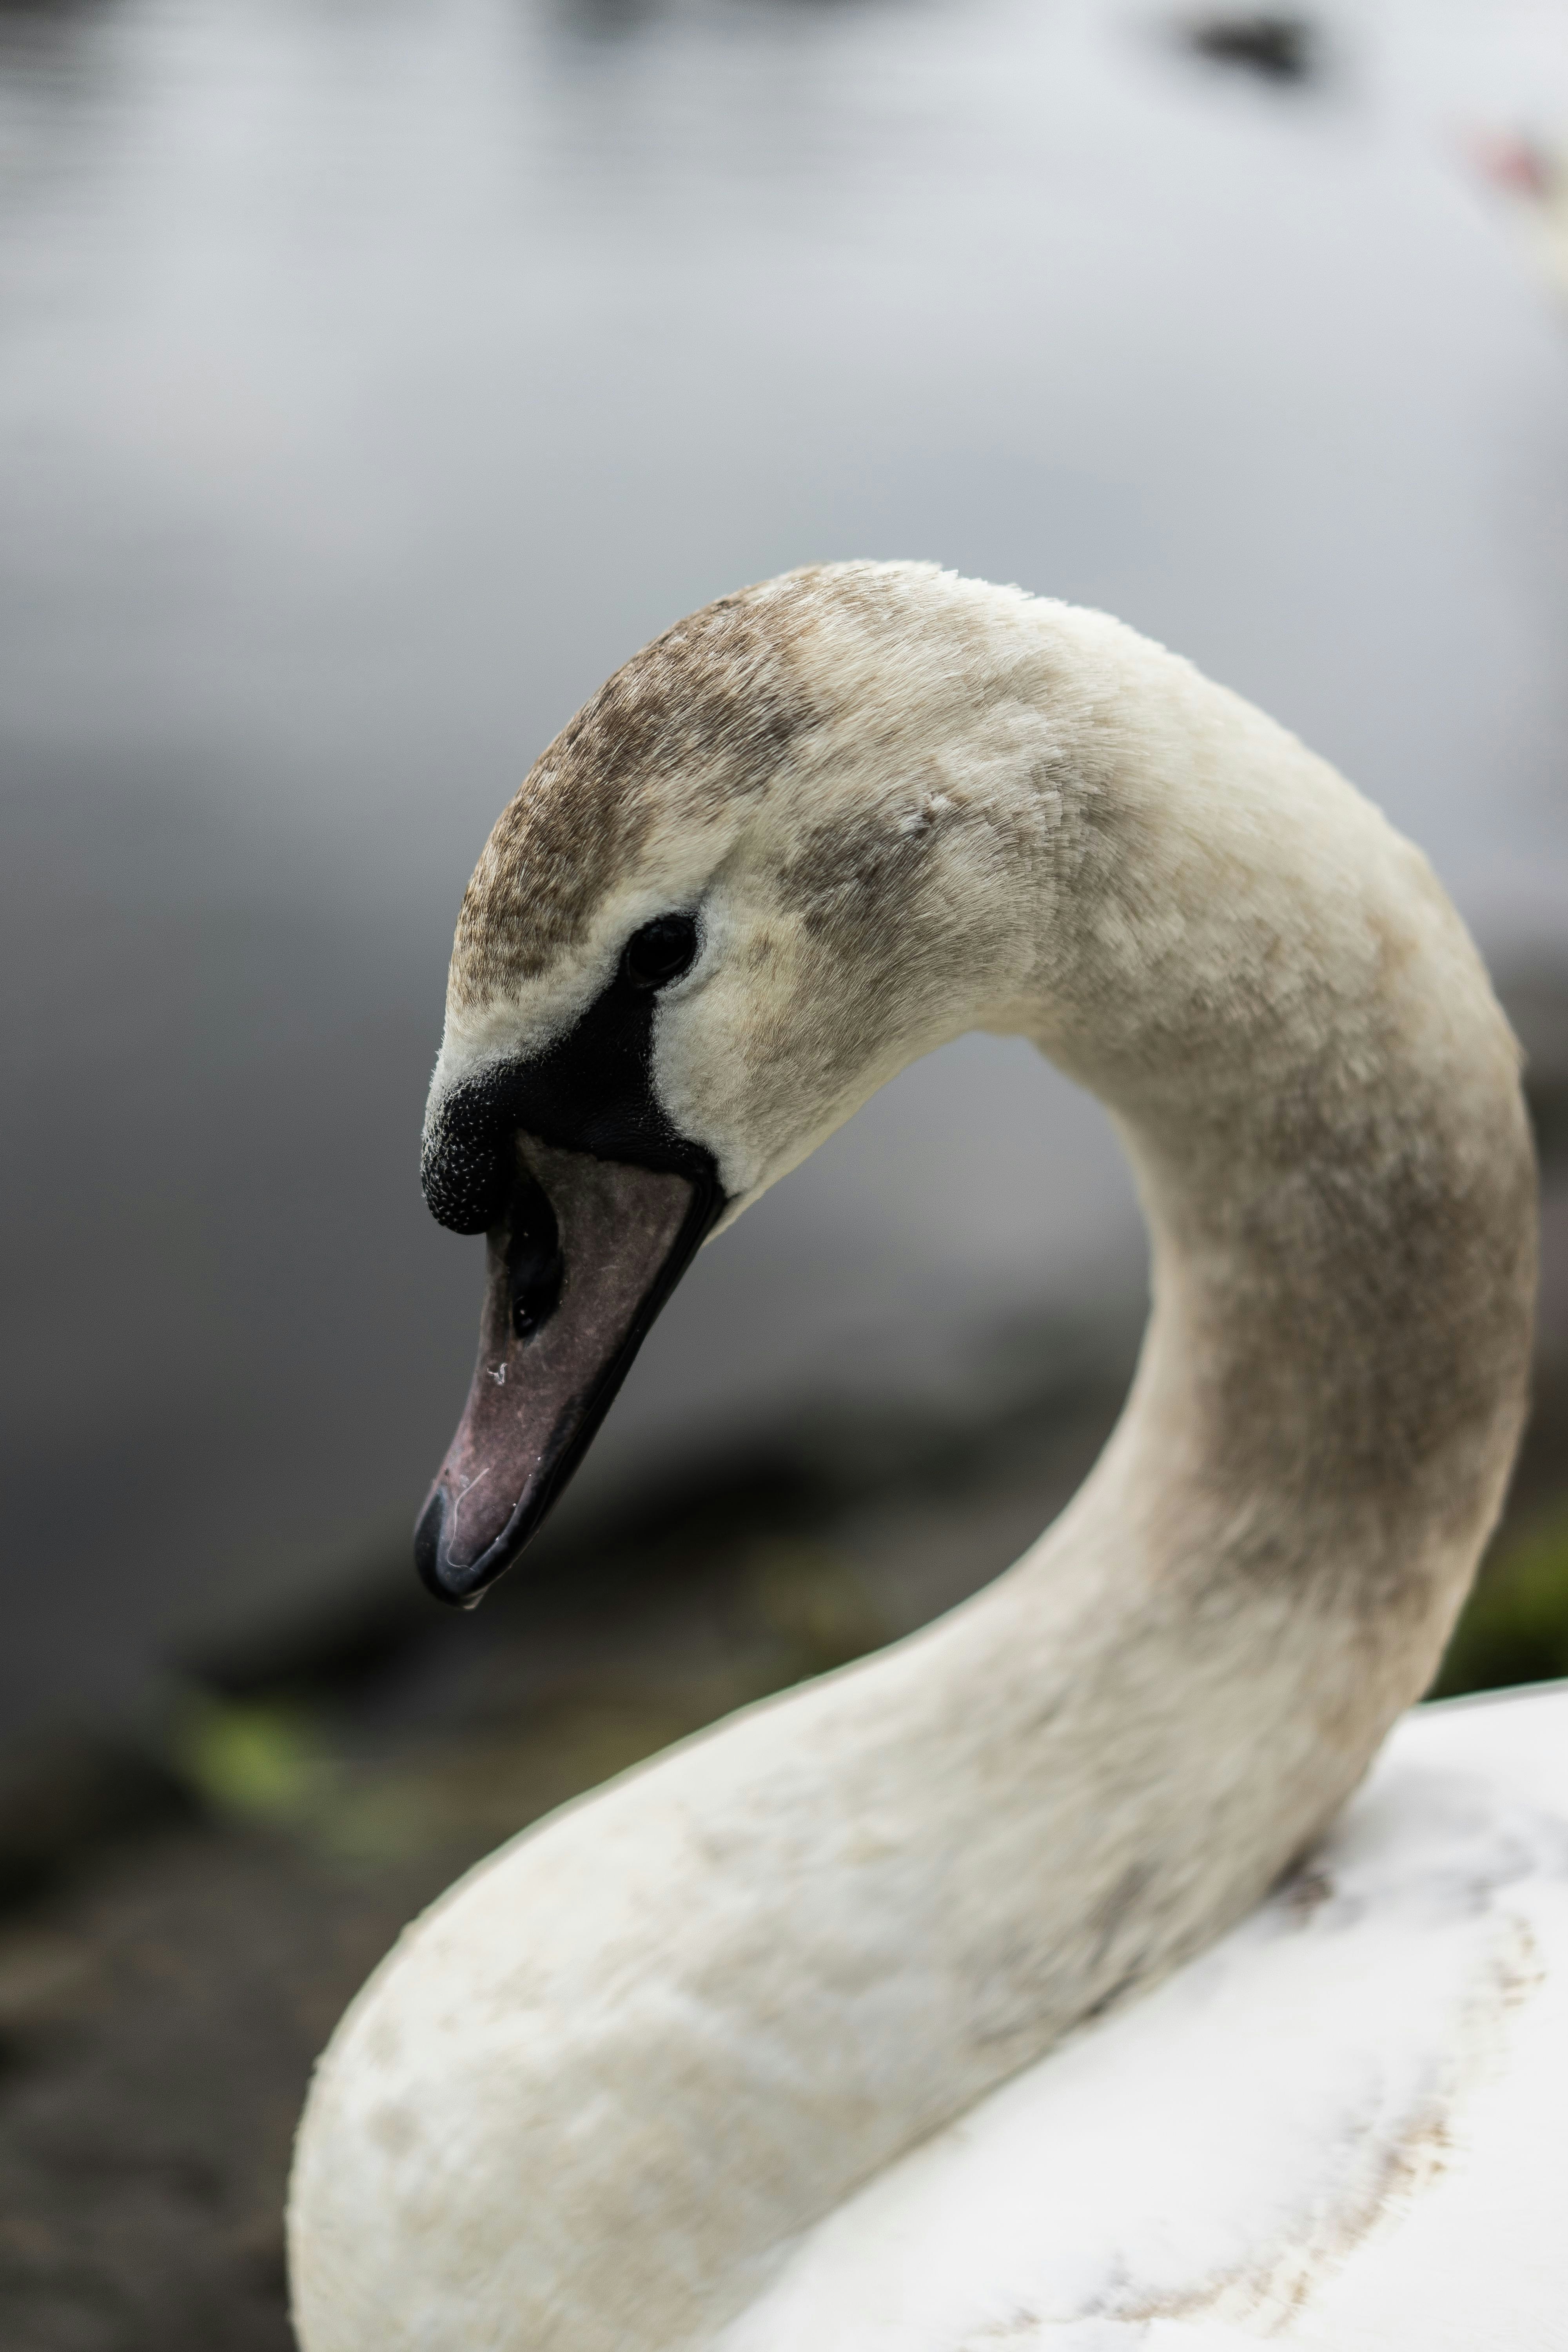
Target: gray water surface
<point>374,379</point>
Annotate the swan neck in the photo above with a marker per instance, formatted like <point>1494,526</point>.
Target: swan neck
<point>1319,1095</point>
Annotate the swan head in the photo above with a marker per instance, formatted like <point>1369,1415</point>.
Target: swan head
<point>735,895</point>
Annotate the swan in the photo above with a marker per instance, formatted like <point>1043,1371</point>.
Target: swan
<point>1030,1983</point>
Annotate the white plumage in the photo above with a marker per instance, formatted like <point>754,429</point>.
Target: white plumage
<point>1341,2128</point>
<point>748,2050</point>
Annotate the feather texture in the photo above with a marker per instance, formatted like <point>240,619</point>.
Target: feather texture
<point>624,2086</point>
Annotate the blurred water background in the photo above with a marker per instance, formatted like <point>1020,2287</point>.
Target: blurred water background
<point>374,379</point>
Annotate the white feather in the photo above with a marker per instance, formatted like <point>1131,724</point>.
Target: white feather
<point>682,2068</point>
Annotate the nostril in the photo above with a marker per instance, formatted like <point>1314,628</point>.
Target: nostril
<point>534,1263</point>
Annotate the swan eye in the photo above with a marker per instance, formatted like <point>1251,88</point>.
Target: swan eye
<point>662,951</point>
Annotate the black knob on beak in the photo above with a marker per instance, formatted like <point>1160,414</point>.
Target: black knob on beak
<point>467,1167</point>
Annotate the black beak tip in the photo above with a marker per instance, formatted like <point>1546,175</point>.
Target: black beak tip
<point>457,1587</point>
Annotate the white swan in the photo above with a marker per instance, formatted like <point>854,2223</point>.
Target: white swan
<point>747,2050</point>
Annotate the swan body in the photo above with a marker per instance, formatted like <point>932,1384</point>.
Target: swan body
<point>1339,2127</point>
<point>763,2045</point>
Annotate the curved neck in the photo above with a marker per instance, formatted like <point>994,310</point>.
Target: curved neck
<point>1080,1778</point>
<point>1320,1097</point>
<point>751,1975</point>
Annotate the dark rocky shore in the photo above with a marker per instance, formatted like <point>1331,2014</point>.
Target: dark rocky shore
<point>188,1902</point>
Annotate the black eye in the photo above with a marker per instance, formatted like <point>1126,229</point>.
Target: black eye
<point>662,951</point>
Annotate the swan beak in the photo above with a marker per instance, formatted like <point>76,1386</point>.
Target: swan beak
<point>584,1257</point>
